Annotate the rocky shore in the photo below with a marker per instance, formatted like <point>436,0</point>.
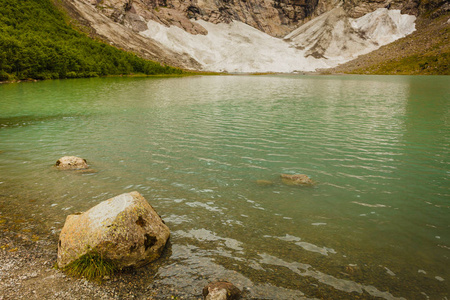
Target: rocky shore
<point>27,271</point>
<point>28,256</point>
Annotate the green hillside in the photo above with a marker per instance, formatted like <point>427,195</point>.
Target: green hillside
<point>36,42</point>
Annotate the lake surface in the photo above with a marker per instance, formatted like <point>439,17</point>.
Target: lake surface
<point>375,224</point>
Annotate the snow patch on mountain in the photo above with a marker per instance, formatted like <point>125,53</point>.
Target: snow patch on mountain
<point>336,37</point>
<point>324,42</point>
<point>384,26</point>
<point>234,47</point>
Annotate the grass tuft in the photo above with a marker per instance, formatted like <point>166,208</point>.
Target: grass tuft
<point>92,266</point>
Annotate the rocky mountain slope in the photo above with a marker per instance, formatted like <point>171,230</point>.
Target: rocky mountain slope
<point>425,51</point>
<point>252,35</point>
<point>274,17</point>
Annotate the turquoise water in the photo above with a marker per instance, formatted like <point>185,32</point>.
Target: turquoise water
<point>376,224</point>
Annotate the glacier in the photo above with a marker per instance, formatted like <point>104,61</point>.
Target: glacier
<point>324,42</point>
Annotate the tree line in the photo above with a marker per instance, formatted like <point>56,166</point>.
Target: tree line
<point>36,42</point>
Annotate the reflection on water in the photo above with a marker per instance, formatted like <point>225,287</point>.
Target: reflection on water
<point>207,152</point>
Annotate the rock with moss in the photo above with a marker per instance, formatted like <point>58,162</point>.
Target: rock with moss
<point>296,179</point>
<point>125,231</point>
<point>71,163</point>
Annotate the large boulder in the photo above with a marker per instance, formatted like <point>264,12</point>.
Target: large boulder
<point>71,163</point>
<point>296,179</point>
<point>125,230</point>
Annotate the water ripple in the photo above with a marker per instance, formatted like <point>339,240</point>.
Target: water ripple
<point>377,148</point>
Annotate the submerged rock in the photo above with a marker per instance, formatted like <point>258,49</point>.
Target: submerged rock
<point>71,163</point>
<point>263,182</point>
<point>125,230</point>
<point>296,179</point>
<point>221,290</point>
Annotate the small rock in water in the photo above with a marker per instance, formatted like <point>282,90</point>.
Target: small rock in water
<point>263,182</point>
<point>221,290</point>
<point>296,179</point>
<point>71,163</point>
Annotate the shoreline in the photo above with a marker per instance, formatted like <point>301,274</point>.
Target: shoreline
<point>196,73</point>
<point>27,272</point>
<point>28,253</point>
<point>320,72</point>
<point>27,269</point>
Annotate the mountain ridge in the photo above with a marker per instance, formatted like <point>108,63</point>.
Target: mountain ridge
<point>235,46</point>
<point>139,18</point>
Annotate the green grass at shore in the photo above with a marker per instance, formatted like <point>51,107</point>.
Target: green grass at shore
<point>91,266</point>
<point>411,65</point>
<point>36,42</point>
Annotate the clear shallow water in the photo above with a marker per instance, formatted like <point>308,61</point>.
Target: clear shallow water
<point>376,224</point>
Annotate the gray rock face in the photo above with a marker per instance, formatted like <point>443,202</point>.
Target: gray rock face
<point>124,229</point>
<point>71,163</point>
<point>121,31</point>
<point>274,17</point>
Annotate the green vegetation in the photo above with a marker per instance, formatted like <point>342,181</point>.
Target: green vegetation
<point>36,42</point>
<point>412,65</point>
<point>91,266</point>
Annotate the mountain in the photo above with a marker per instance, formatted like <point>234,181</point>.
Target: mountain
<point>49,38</point>
<point>335,35</point>
<point>255,35</point>
<point>425,51</point>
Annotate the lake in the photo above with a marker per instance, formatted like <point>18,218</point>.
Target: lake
<point>207,153</point>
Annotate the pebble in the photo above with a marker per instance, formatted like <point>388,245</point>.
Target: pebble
<point>33,275</point>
